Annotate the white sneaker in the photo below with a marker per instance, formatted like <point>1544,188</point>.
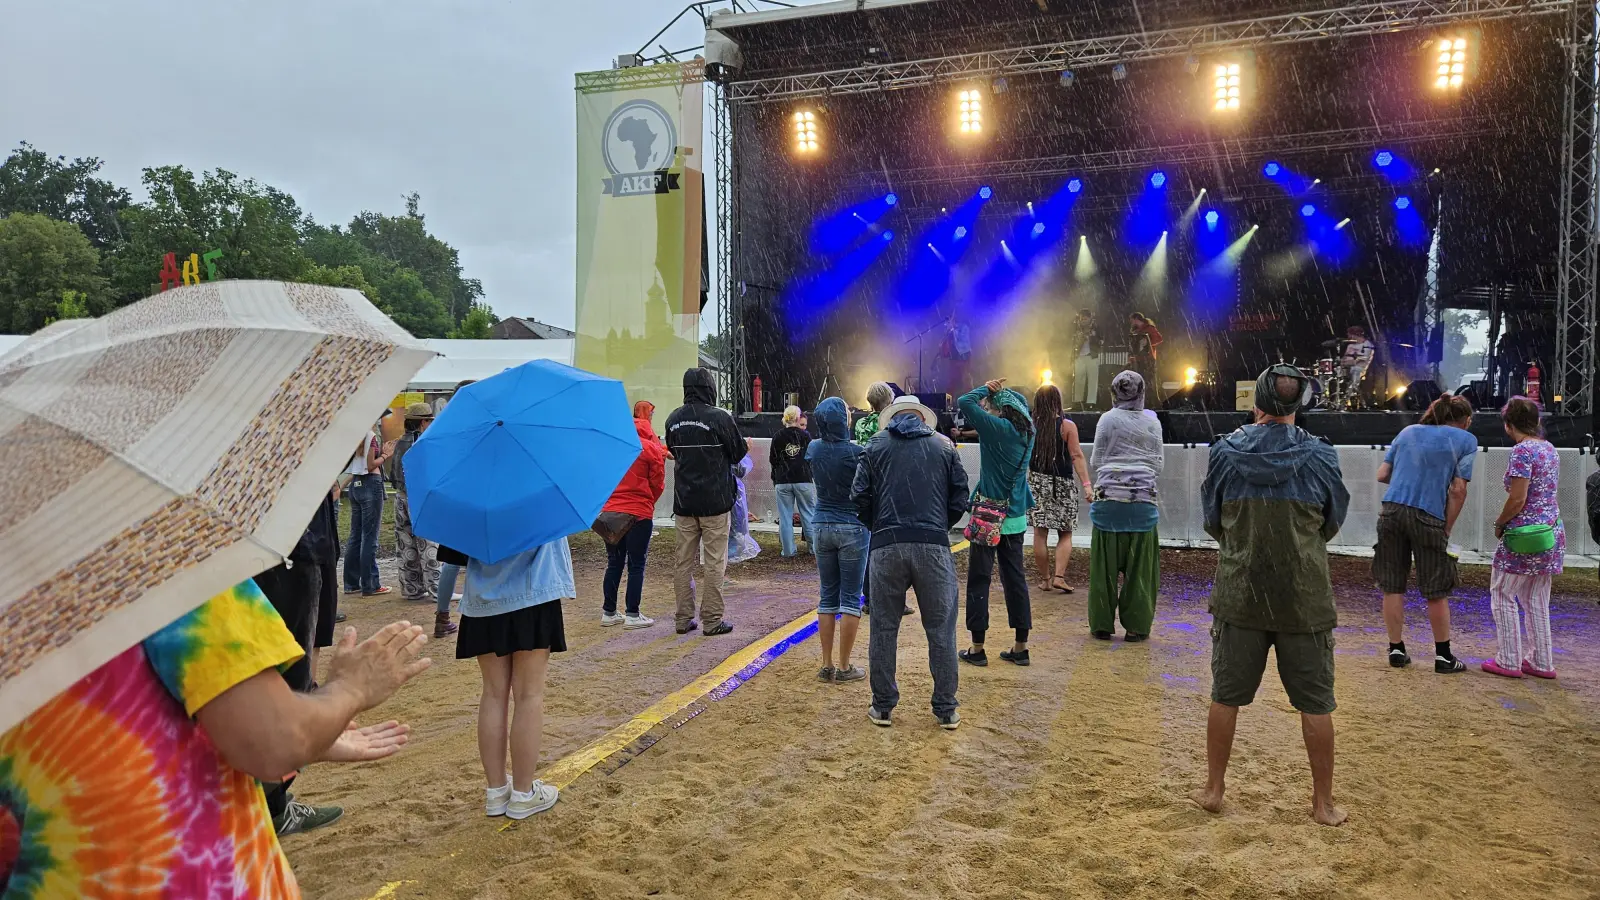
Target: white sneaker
<point>540,798</point>
<point>639,621</point>
<point>609,619</point>
<point>496,799</point>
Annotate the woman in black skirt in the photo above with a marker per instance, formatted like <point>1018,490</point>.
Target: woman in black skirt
<point>511,623</point>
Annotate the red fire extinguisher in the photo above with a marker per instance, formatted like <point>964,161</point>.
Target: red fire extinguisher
<point>755,394</point>
<point>1532,385</point>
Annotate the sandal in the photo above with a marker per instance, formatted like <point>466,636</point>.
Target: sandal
<point>1059,583</point>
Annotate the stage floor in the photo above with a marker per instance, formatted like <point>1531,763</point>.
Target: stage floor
<point>1360,429</point>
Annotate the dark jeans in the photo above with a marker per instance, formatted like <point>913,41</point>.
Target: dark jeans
<point>1013,579</point>
<point>632,549</point>
<point>930,570</point>
<point>361,551</point>
<point>295,591</point>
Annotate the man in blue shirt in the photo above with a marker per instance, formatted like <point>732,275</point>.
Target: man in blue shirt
<point>1427,470</point>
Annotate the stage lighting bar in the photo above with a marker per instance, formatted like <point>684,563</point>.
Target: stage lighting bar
<point>805,132</point>
<point>969,108</point>
<point>1231,85</point>
<point>1453,61</point>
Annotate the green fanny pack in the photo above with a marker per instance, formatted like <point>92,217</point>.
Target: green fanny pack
<point>1530,539</point>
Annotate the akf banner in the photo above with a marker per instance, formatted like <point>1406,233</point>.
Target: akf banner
<point>640,186</point>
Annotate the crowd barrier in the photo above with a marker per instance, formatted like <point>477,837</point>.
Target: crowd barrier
<point>1185,469</point>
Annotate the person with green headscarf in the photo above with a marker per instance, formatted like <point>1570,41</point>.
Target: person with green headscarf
<point>1005,443</point>
<point>1126,460</point>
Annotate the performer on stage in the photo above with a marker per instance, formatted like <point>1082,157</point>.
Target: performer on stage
<point>956,350</point>
<point>1143,351</point>
<point>1354,359</point>
<point>1085,392</point>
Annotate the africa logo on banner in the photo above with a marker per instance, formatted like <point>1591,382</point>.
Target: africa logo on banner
<point>639,146</point>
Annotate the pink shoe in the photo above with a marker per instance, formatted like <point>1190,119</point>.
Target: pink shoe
<point>1528,669</point>
<point>1494,668</point>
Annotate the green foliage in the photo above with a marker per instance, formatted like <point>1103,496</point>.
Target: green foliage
<point>41,259</point>
<point>32,181</point>
<point>73,305</point>
<point>716,346</point>
<point>476,326</point>
<point>408,273</point>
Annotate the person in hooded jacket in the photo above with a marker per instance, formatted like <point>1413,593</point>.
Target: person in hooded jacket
<point>840,539</point>
<point>1127,460</point>
<point>911,489</point>
<point>635,495</point>
<point>1005,438</point>
<point>705,445</point>
<point>1273,498</point>
<point>791,480</point>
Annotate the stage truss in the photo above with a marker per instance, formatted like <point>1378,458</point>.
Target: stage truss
<point>1575,374</point>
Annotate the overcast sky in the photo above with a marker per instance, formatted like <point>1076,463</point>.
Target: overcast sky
<point>346,104</point>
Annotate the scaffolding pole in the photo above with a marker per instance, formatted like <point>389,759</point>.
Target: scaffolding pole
<point>1574,377</point>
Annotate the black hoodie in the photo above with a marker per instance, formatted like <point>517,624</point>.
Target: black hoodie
<point>910,486</point>
<point>705,445</point>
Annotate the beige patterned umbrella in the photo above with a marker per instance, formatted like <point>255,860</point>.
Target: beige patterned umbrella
<point>156,456</point>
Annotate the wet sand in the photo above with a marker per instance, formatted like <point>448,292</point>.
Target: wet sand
<point>1066,779</point>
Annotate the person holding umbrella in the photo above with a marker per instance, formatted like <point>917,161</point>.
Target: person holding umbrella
<point>705,446</point>
<point>513,465</point>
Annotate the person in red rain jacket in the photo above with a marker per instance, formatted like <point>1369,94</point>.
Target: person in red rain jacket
<point>1143,343</point>
<point>636,496</point>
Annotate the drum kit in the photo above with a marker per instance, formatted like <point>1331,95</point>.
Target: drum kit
<point>1332,387</point>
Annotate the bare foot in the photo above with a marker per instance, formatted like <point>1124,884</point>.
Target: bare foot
<point>1207,799</point>
<point>1328,814</point>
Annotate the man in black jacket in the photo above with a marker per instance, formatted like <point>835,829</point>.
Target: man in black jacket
<point>911,489</point>
<point>705,445</point>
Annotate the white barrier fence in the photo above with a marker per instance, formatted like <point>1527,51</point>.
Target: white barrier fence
<point>1185,470</point>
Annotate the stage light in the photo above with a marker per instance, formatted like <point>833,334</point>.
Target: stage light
<point>1308,211</point>
<point>1341,225</point>
<point>1272,170</point>
<point>1454,60</point>
<point>1402,203</point>
<point>805,131</point>
<point>1212,218</point>
<point>1067,78</point>
<point>1119,72</point>
<point>1191,64</point>
<point>969,109</point>
<point>1044,376</point>
<point>961,232</point>
<point>1158,180</point>
<point>888,236</point>
<point>1030,208</point>
<point>999,86</point>
<point>1400,391</point>
<point>891,199</point>
<point>1384,159</point>
<point>1038,229</point>
<point>1190,376</point>
<point>1227,85</point>
<point>1075,185</point>
<point>985,192</point>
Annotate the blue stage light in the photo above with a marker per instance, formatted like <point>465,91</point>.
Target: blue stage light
<point>1272,170</point>
<point>1384,159</point>
<point>1158,179</point>
<point>961,232</point>
<point>891,199</point>
<point>1038,229</point>
<point>1403,203</point>
<point>1308,210</point>
<point>888,235</point>
<point>1075,185</point>
<point>1212,218</point>
<point>985,192</point>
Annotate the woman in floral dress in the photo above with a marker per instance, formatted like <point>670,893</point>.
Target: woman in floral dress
<point>1523,579</point>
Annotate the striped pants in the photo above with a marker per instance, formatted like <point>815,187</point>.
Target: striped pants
<point>1532,593</point>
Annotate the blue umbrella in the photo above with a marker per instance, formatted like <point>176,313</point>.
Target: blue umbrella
<point>520,459</point>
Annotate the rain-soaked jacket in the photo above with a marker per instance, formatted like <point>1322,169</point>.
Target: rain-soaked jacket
<point>833,465</point>
<point>646,479</point>
<point>705,445</point>
<point>910,487</point>
<point>1273,498</point>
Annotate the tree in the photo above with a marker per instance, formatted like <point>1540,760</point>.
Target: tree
<point>476,326</point>
<point>405,241</point>
<point>409,303</point>
<point>33,181</point>
<point>40,260</point>
<point>716,346</point>
<point>73,305</point>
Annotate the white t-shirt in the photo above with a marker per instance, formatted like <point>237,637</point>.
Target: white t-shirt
<point>358,462</point>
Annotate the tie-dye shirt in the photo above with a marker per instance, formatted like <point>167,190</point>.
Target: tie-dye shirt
<point>113,790</point>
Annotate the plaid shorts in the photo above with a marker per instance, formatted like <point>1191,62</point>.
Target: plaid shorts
<point>1405,532</point>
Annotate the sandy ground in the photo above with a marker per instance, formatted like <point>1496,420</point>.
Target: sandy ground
<point>1066,779</point>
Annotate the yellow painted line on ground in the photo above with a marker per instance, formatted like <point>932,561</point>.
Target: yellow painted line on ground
<point>567,770</point>
<point>388,889</point>
<point>959,546</point>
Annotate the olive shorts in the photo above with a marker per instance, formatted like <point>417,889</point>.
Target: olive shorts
<point>1305,665</point>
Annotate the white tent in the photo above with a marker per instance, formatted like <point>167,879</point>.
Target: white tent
<point>460,361</point>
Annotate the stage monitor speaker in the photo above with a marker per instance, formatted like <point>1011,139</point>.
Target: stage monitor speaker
<point>1419,396</point>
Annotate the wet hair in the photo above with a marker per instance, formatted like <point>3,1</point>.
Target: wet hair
<point>879,396</point>
<point>1047,433</point>
<point>1522,415</point>
<point>1448,410</point>
<point>791,416</point>
<point>1356,329</point>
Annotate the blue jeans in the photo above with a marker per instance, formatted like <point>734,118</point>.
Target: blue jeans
<point>790,496</point>
<point>361,551</point>
<point>930,570</point>
<point>631,550</point>
<point>841,564</point>
<point>448,573</point>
